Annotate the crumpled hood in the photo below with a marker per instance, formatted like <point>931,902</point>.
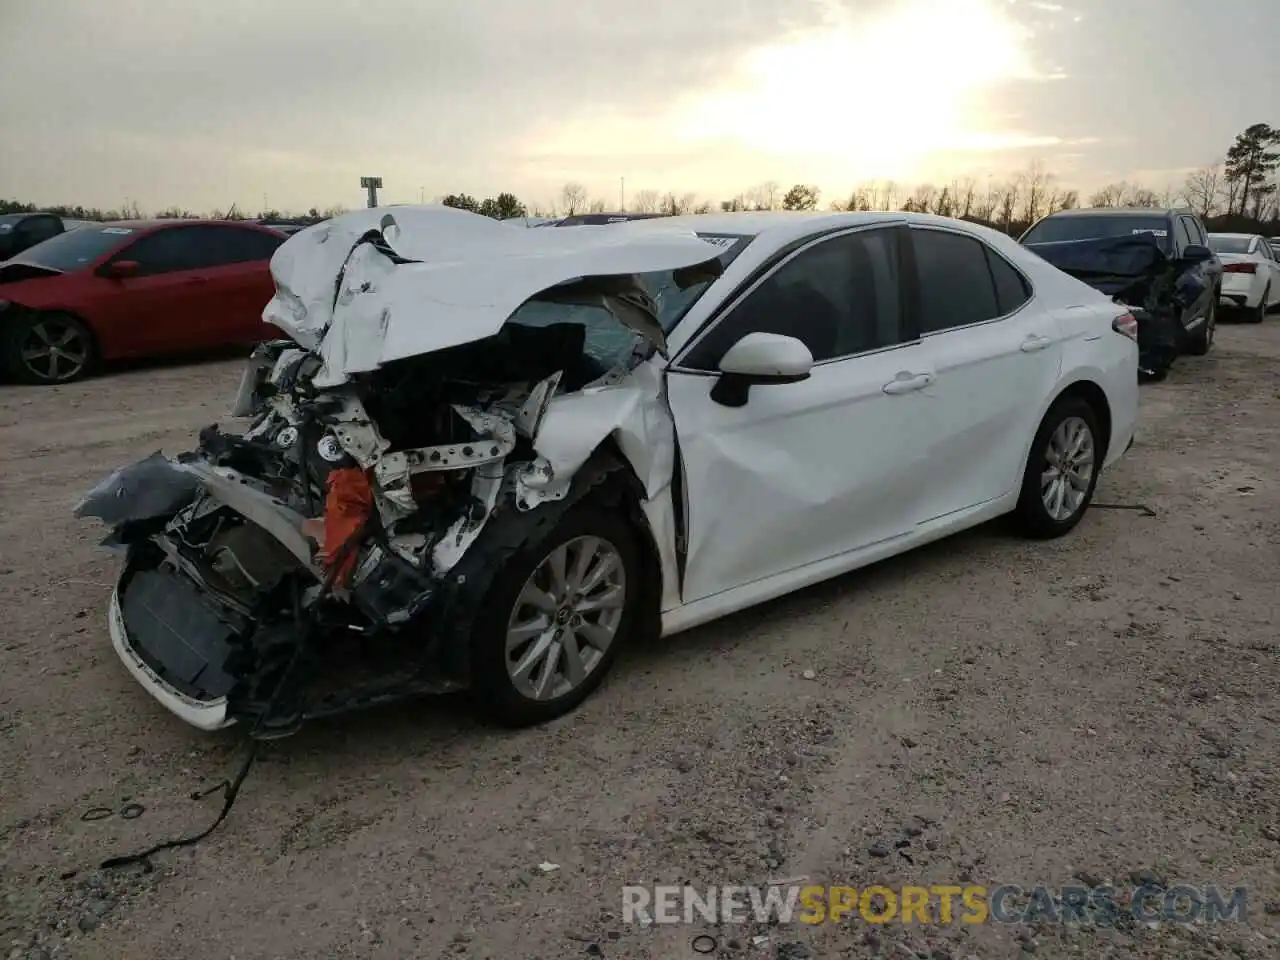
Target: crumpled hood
<point>443,277</point>
<point>1107,264</point>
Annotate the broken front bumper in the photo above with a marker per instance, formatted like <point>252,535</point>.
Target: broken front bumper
<point>204,714</point>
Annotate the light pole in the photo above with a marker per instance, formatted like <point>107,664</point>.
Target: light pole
<point>372,184</point>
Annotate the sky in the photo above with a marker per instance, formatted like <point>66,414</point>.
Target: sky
<point>286,104</point>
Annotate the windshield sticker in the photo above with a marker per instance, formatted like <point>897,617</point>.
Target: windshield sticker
<point>117,231</point>
<point>718,241</point>
<point>1154,233</point>
<point>5,227</point>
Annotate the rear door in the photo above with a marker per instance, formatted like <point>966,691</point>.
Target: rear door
<point>996,353</point>
<point>237,272</point>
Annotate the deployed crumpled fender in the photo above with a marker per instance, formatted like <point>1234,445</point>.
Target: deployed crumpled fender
<point>412,280</point>
<point>147,490</point>
<point>635,417</point>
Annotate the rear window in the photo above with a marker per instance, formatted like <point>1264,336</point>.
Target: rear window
<point>76,249</point>
<point>1097,227</point>
<point>1220,244</point>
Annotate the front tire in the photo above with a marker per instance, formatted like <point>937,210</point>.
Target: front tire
<point>555,617</point>
<point>1259,313</point>
<point>48,348</point>
<point>1202,342</point>
<point>1062,470</point>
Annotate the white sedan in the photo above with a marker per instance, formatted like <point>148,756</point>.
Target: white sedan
<point>490,457</point>
<point>1251,273</point>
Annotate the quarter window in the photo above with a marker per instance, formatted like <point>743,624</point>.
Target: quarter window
<point>839,296</point>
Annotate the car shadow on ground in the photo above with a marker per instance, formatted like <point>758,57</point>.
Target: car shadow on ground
<point>424,724</point>
<point>117,368</point>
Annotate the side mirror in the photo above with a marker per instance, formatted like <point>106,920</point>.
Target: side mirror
<point>119,269</point>
<point>758,359</point>
<point>1197,254</point>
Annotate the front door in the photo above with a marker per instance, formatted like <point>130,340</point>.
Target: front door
<point>810,470</point>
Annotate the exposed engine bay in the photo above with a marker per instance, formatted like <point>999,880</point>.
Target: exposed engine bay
<point>329,533</point>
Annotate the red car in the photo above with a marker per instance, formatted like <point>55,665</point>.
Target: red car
<point>133,288</point>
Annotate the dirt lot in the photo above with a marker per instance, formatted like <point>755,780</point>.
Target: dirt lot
<point>1094,707</point>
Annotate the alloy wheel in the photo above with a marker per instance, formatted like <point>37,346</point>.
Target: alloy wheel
<point>54,350</point>
<point>1069,465</point>
<point>566,617</point>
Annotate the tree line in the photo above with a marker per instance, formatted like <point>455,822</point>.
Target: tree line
<point>1238,192</point>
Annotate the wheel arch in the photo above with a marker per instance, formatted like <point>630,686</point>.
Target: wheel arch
<point>8,334</point>
<point>607,477</point>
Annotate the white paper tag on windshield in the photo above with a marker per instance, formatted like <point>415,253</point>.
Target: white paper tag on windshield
<point>1154,233</point>
<point>117,231</point>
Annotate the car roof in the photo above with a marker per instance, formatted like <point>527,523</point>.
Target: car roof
<point>175,221</point>
<point>1123,212</point>
<point>756,222</point>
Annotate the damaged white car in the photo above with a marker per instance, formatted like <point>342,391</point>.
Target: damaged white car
<point>489,457</point>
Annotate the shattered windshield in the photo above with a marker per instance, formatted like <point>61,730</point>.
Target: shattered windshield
<point>608,342</point>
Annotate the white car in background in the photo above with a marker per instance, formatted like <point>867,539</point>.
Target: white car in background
<point>519,449</point>
<point>1251,273</point>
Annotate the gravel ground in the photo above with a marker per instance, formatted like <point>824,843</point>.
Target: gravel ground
<point>1101,707</point>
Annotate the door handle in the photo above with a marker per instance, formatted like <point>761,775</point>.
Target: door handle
<point>907,382</point>
<point>1035,342</point>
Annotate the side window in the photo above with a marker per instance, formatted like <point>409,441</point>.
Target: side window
<point>955,282</point>
<point>1186,233</point>
<point>1012,289</point>
<point>156,253</point>
<point>244,246</point>
<point>839,296</point>
<point>1202,238</point>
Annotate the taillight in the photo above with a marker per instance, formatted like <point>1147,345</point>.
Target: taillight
<point>1126,325</point>
<point>1240,268</point>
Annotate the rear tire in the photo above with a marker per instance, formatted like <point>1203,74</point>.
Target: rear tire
<point>1202,342</point>
<point>1259,314</point>
<point>48,348</point>
<point>567,629</point>
<point>1056,489</point>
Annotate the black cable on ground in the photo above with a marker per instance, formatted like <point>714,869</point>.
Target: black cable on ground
<point>231,788</point>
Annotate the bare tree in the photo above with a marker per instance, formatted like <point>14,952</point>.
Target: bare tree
<point>943,203</point>
<point>1203,187</point>
<point>1007,203</point>
<point>688,203</point>
<point>573,198</point>
<point>1068,200</point>
<point>921,199</point>
<point>595,206</point>
<point>646,201</point>
<point>988,202</point>
<point>734,204</point>
<point>764,196</point>
<point>1109,196</point>
<point>1143,197</point>
<point>1037,187</point>
<point>964,191</point>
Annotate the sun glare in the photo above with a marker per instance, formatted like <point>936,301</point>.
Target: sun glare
<point>880,97</point>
